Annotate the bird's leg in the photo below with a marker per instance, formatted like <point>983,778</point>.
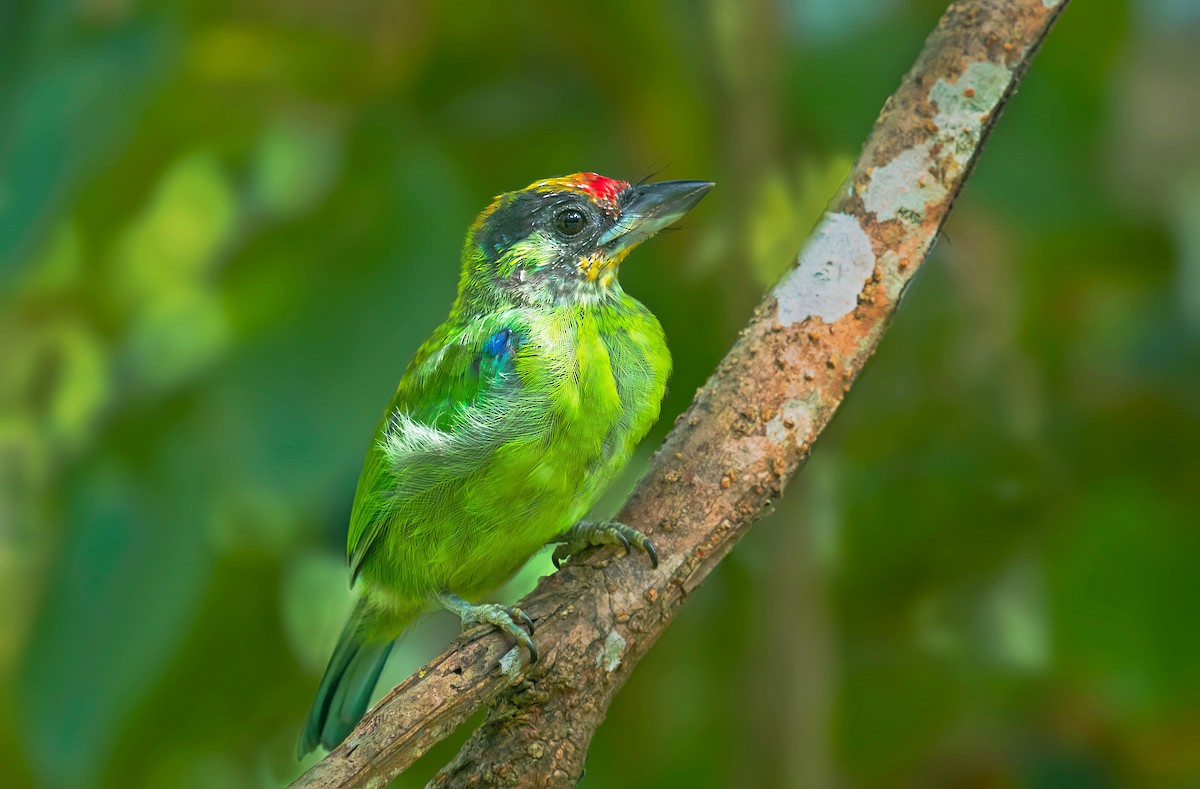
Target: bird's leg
<point>588,533</point>
<point>502,617</point>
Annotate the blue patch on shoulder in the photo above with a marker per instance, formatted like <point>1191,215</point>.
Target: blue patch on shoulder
<point>499,343</point>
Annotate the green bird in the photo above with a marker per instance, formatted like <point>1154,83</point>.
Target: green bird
<point>507,425</point>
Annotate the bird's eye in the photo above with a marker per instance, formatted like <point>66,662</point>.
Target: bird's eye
<point>570,222</point>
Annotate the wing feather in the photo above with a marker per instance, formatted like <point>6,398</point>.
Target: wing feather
<point>459,400</point>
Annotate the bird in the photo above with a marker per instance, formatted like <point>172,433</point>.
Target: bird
<point>506,426</point>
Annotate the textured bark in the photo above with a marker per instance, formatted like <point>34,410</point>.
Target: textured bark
<point>731,453</point>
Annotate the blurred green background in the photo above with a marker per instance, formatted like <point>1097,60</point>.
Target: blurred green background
<point>225,227</point>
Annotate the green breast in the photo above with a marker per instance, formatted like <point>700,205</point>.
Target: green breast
<point>464,508</point>
<point>640,365</point>
<point>601,373</point>
<point>624,364</point>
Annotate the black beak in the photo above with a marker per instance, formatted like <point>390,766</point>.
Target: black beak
<point>648,208</point>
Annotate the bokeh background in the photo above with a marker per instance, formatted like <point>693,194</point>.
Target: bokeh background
<point>225,227</point>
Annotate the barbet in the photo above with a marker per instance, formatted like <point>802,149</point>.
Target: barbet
<point>508,424</point>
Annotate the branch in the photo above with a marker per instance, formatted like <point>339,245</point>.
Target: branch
<point>731,453</point>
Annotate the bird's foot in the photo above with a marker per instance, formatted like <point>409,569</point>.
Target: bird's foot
<point>585,534</point>
<point>502,617</point>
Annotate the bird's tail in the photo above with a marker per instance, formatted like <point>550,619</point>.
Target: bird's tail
<point>346,688</point>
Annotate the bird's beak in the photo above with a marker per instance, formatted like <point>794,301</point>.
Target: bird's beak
<point>647,209</point>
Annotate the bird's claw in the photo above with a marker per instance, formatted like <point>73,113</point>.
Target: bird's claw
<point>585,534</point>
<point>507,619</point>
<point>524,617</point>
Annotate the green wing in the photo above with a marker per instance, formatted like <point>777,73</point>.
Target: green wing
<point>457,402</point>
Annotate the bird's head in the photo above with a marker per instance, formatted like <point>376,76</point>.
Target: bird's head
<point>562,240</point>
